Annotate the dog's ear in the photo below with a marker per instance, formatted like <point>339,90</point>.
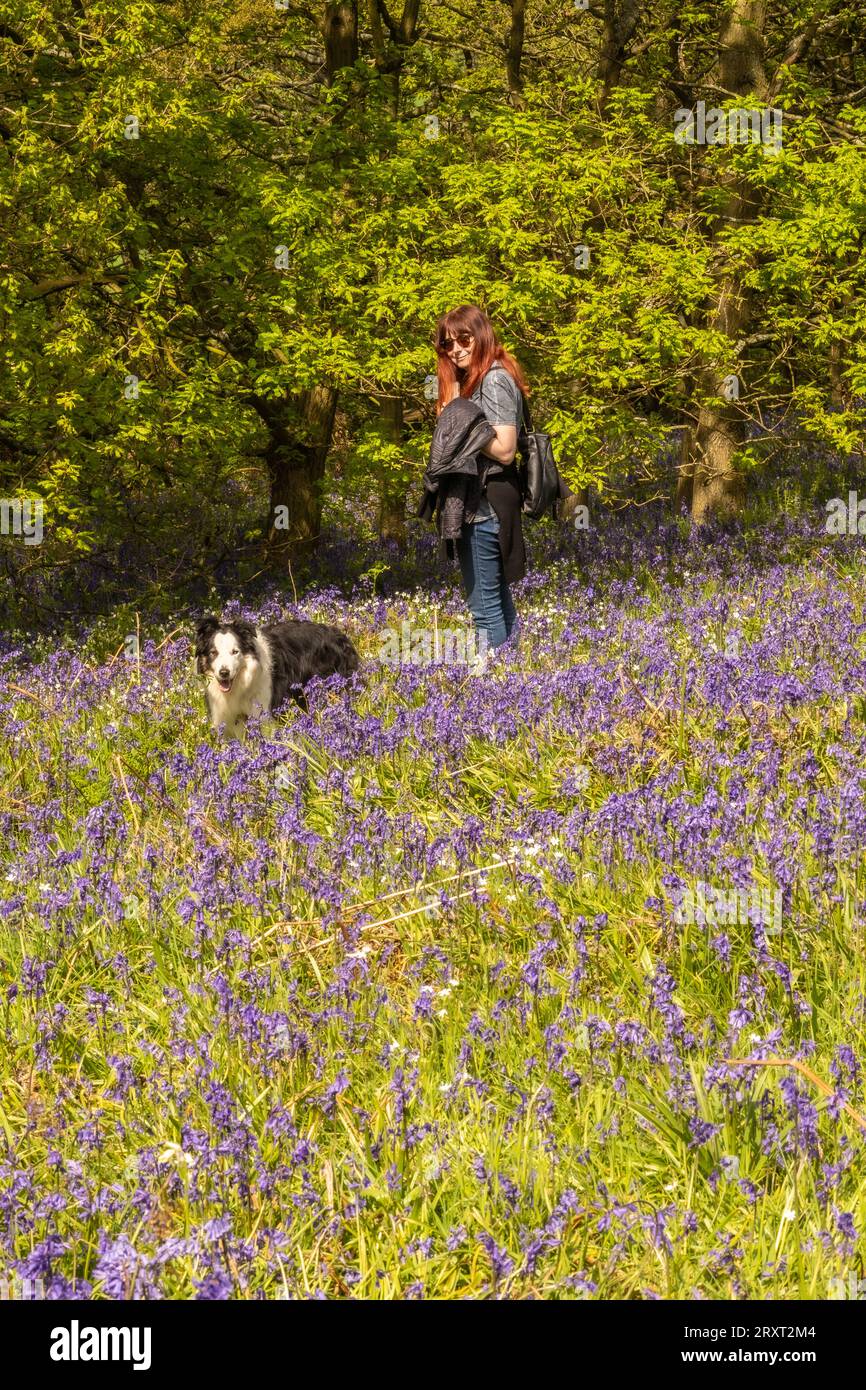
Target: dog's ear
<point>203,634</point>
<point>246,635</point>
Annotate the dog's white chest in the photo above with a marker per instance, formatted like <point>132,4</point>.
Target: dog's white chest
<point>250,693</point>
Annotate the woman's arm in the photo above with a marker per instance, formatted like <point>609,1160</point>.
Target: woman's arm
<point>503,445</point>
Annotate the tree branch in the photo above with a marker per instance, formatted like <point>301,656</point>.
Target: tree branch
<point>43,288</point>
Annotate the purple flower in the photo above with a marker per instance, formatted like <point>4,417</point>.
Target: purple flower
<point>479,1168</point>
<point>501,1262</point>
<point>456,1237</point>
<point>122,1270</point>
<point>39,1263</point>
<point>214,1230</point>
<point>702,1131</point>
<point>327,1101</point>
<point>214,1286</point>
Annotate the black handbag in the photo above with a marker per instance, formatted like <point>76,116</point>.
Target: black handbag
<point>538,473</point>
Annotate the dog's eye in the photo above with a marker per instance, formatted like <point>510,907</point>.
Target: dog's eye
<point>212,651</point>
<point>234,651</point>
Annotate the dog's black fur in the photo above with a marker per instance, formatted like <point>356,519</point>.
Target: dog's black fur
<point>299,650</point>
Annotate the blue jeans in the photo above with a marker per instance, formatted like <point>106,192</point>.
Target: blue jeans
<point>487,591</point>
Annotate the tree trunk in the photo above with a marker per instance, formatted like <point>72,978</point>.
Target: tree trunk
<point>390,60</point>
<point>392,494</point>
<point>300,428</point>
<point>836,367</point>
<point>685,471</point>
<point>514,53</point>
<point>717,487</point>
<point>618,25</point>
<point>299,437</point>
<point>340,32</point>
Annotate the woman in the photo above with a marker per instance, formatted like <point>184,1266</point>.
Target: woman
<point>472,363</point>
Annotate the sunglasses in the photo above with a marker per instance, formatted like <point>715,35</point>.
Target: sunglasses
<point>464,340</point>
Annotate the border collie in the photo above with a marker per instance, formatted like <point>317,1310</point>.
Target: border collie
<point>252,670</point>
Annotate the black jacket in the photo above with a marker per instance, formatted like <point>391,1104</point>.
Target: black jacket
<point>457,475</point>
<point>456,468</point>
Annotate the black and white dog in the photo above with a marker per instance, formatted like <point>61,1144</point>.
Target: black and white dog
<point>252,670</point>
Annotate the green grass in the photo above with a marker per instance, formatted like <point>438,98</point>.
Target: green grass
<point>175,857</point>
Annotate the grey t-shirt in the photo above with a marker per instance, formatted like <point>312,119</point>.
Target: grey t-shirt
<point>502,402</point>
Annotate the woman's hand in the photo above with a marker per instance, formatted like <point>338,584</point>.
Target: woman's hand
<point>503,445</point>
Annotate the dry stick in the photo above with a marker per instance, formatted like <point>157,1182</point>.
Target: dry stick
<point>158,649</point>
<point>7,787</point>
<point>116,655</point>
<point>19,690</point>
<point>85,666</point>
<point>387,921</point>
<point>220,839</point>
<point>126,789</point>
<point>848,578</point>
<point>372,902</point>
<point>800,1067</point>
<point>656,709</point>
<point>368,926</point>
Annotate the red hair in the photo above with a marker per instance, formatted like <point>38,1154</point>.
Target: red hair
<point>486,350</point>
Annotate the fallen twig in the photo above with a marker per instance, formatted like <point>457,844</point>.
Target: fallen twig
<point>28,694</point>
<point>804,1070</point>
<point>169,806</point>
<point>386,922</point>
<point>128,797</point>
<point>386,897</point>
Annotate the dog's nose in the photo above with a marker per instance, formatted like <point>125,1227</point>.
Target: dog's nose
<point>223,673</point>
